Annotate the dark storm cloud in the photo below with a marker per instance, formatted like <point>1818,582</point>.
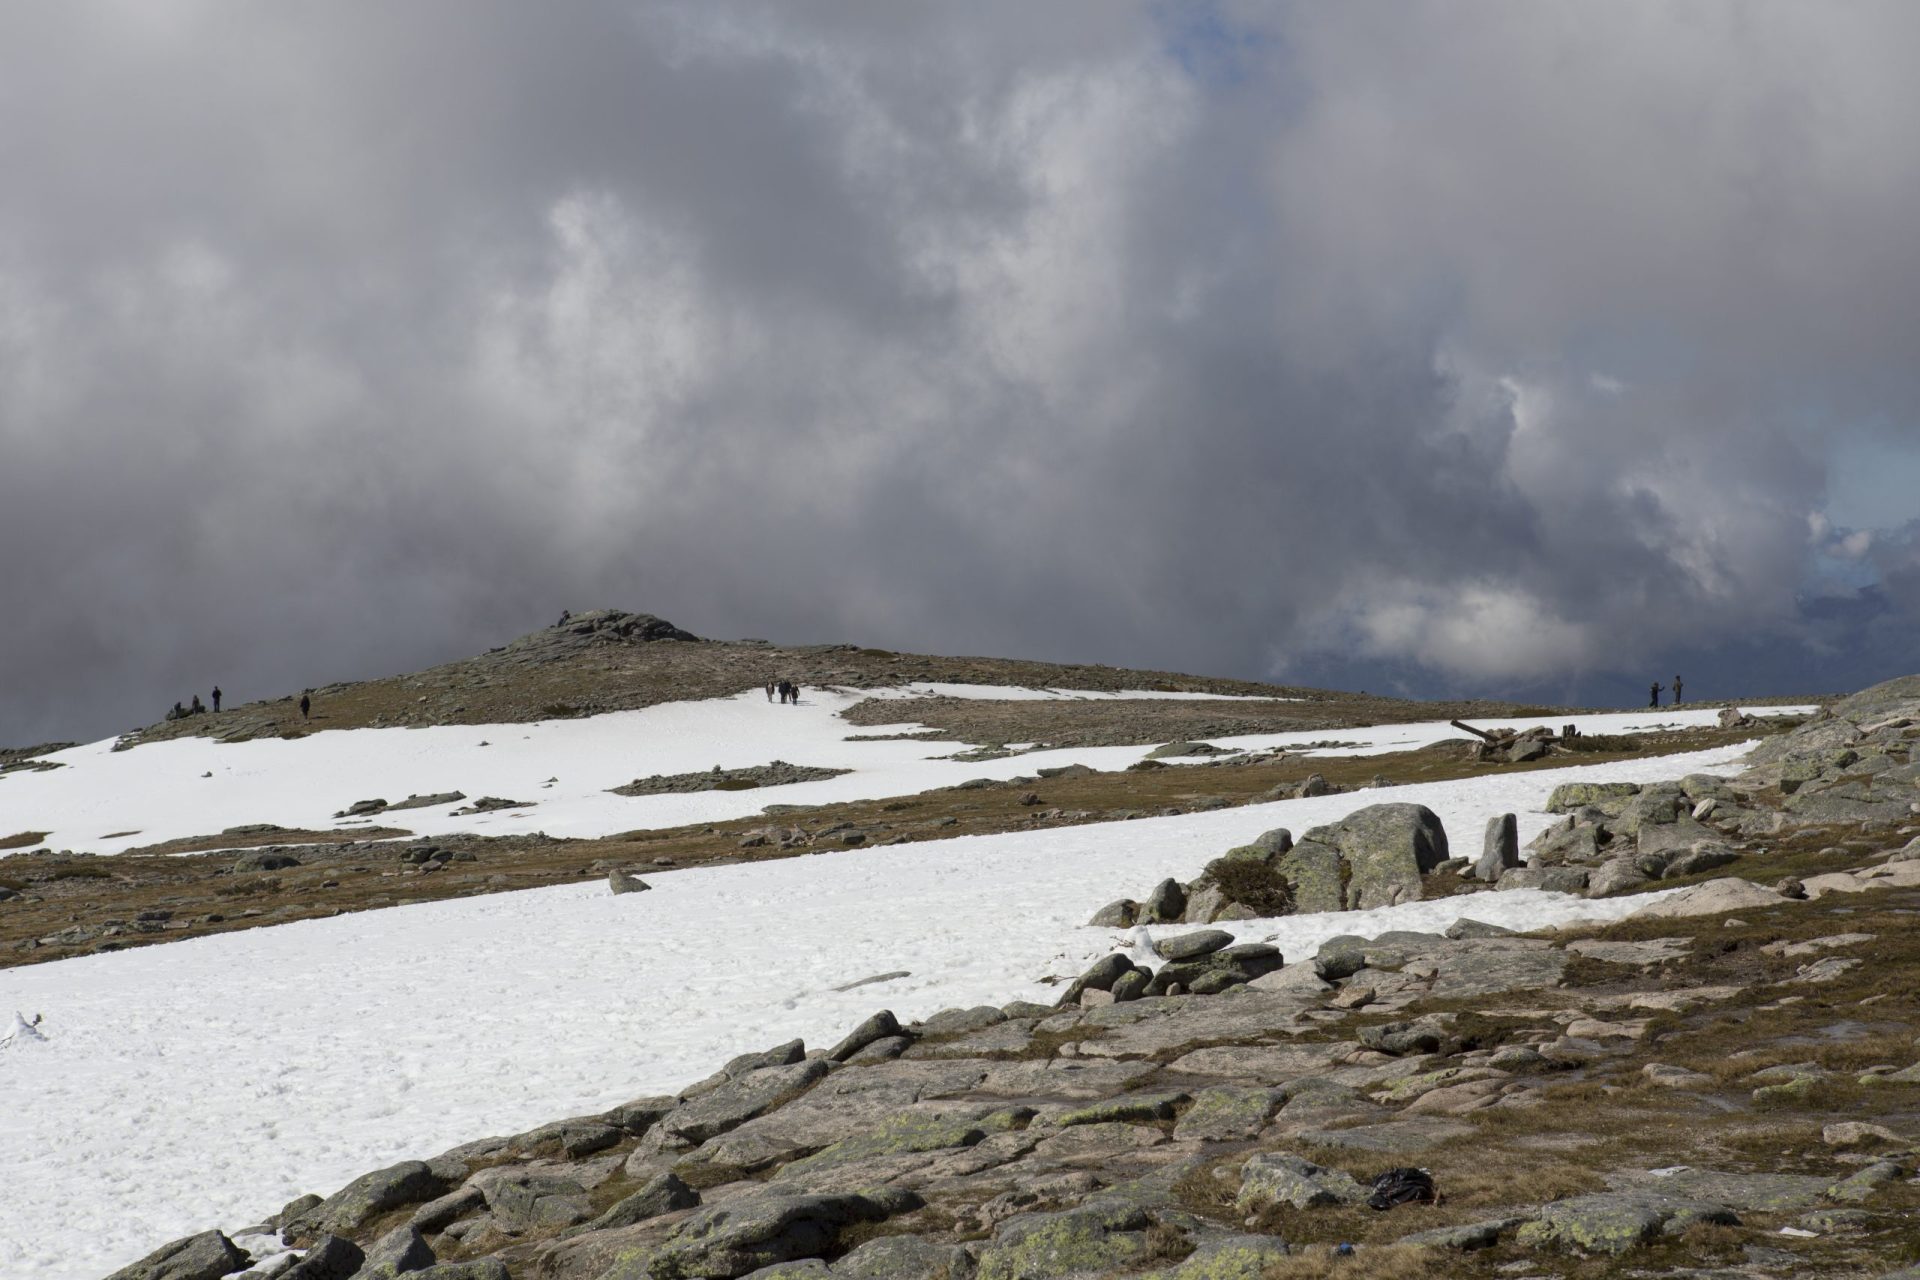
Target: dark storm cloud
<point>1442,347</point>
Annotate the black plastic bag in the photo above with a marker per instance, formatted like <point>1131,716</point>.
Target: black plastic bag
<point>1402,1186</point>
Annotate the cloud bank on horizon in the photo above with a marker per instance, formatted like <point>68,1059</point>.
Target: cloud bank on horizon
<point>1424,346</point>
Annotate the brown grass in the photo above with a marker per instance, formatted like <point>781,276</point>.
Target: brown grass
<point>24,839</point>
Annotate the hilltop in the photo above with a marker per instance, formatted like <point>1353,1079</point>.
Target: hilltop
<point>612,660</point>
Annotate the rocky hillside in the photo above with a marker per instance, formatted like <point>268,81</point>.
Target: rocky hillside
<point>611,660</point>
<point>1727,1083</point>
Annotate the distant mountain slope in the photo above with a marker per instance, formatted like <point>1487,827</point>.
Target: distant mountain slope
<point>612,660</point>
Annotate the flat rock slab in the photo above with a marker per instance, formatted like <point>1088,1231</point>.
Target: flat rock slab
<point>1650,952</point>
<point>1749,1191</point>
<point>1260,1064</point>
<point>1391,1137</point>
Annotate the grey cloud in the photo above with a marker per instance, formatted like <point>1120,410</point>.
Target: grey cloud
<point>1426,347</point>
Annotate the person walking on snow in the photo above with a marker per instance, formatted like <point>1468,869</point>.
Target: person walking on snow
<point>216,697</point>
<point>1654,694</point>
<point>769,691</point>
<point>1676,691</point>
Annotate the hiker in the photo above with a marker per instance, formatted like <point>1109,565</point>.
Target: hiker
<point>566,616</point>
<point>1654,694</point>
<point>1676,691</point>
<point>216,697</point>
<point>769,691</point>
<point>197,709</point>
<point>306,706</point>
<point>178,713</point>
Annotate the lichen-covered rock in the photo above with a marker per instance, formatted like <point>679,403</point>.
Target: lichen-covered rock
<point>349,1209</point>
<point>398,1252</point>
<point>1227,1113</point>
<point>330,1258</point>
<point>1501,848</point>
<point>1387,848</point>
<point>896,1257</point>
<point>1127,1107</point>
<point>1570,796</point>
<point>1095,1238</point>
<point>738,1101</point>
<point>1226,1256</point>
<point>1166,904</point>
<point>207,1256</point>
<point>1615,1222</point>
<point>532,1200</point>
<point>1278,1177</point>
<point>1317,874</point>
<point>663,1193</point>
<point>1120,914</point>
<point>754,1231</point>
<point>879,1027</point>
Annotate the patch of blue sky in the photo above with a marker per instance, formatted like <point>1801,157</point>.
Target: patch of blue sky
<point>1208,43</point>
<point>1873,482</point>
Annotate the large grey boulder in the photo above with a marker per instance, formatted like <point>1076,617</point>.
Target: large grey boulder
<point>738,1101</point>
<point>881,1026</point>
<point>1501,848</point>
<point>660,1194</point>
<point>896,1257</point>
<point>1386,849</point>
<point>1191,946</point>
<point>1315,871</point>
<point>1279,1177</point>
<point>1166,904</point>
<point>1101,1237</point>
<point>207,1256</point>
<point>533,1200</point>
<point>349,1209</point>
<point>478,1269</point>
<point>400,1251</point>
<point>1610,797</point>
<point>330,1258</point>
<point>754,1231</point>
<point>1615,1222</point>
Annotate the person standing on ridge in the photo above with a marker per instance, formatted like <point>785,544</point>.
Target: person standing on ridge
<point>216,697</point>
<point>1653,695</point>
<point>306,706</point>
<point>1676,691</point>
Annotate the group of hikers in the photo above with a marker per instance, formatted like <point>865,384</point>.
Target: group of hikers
<point>196,708</point>
<point>787,689</point>
<point>1654,693</point>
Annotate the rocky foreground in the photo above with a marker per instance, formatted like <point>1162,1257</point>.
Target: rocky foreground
<point>1726,1083</point>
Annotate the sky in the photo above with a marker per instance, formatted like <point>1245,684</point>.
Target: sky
<point>1536,351</point>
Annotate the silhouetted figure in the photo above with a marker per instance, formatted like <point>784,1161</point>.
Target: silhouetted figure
<point>789,692</point>
<point>566,616</point>
<point>178,713</point>
<point>306,706</point>
<point>197,709</point>
<point>1676,691</point>
<point>216,697</point>
<point>1653,695</point>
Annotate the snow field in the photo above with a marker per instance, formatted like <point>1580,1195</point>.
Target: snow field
<point>196,787</point>
<point>207,1081</point>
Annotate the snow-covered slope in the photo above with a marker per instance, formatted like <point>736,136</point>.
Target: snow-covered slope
<point>107,801</point>
<point>212,1079</point>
